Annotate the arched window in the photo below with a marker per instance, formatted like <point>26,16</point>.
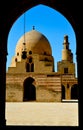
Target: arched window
<point>65,70</point>
<point>15,59</point>
<point>30,60</point>
<point>30,52</point>
<point>27,67</point>
<point>24,55</point>
<point>30,65</point>
<point>17,53</point>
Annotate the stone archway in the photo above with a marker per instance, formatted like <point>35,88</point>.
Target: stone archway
<point>29,91</point>
<point>7,19</point>
<point>74,92</point>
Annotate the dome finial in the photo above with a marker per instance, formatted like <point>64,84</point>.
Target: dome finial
<point>33,27</point>
<point>66,38</point>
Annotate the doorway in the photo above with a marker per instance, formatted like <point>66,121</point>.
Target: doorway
<point>29,89</point>
<point>74,91</point>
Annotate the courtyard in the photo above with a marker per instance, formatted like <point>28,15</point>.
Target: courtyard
<point>42,113</point>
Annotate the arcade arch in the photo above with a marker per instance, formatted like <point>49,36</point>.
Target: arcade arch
<point>74,91</point>
<point>29,92</point>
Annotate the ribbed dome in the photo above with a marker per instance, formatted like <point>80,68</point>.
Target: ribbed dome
<point>36,42</point>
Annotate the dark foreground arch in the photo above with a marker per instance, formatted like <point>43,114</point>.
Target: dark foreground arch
<point>13,9</point>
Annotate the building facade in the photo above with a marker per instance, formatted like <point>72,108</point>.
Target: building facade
<point>31,75</point>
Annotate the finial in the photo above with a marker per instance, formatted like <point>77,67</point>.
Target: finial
<point>33,27</point>
<point>65,38</point>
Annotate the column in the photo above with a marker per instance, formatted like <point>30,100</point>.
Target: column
<point>2,82</point>
<point>67,92</point>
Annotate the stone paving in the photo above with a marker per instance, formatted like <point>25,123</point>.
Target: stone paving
<point>42,114</point>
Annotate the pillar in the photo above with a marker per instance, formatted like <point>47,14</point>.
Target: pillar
<point>67,92</point>
<point>2,81</point>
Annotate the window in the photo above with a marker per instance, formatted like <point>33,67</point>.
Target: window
<point>15,59</point>
<point>30,52</point>
<point>17,53</point>
<point>46,59</point>
<point>44,53</point>
<point>30,60</point>
<point>30,65</point>
<point>27,67</point>
<point>65,70</point>
<point>24,55</point>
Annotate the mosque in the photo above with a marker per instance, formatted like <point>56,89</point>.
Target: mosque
<point>31,75</point>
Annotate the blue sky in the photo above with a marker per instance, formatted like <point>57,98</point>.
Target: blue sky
<point>49,22</point>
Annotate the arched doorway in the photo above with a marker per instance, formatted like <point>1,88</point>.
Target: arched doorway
<point>74,92</point>
<point>29,91</point>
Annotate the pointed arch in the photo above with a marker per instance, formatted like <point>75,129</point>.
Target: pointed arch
<point>74,91</point>
<point>13,12</point>
<point>29,90</point>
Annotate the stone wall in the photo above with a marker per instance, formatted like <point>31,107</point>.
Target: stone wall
<point>48,87</point>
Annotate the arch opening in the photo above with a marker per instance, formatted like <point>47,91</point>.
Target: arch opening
<point>29,93</point>
<point>48,8</point>
<point>74,91</point>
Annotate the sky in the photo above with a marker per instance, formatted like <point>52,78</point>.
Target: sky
<point>50,23</point>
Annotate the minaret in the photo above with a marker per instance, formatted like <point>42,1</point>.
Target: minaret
<point>66,43</point>
<point>33,27</point>
<point>66,52</point>
<point>66,65</point>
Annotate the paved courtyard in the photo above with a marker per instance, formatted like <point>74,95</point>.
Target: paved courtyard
<point>42,114</point>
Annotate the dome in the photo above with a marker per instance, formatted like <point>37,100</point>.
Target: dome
<point>35,42</point>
